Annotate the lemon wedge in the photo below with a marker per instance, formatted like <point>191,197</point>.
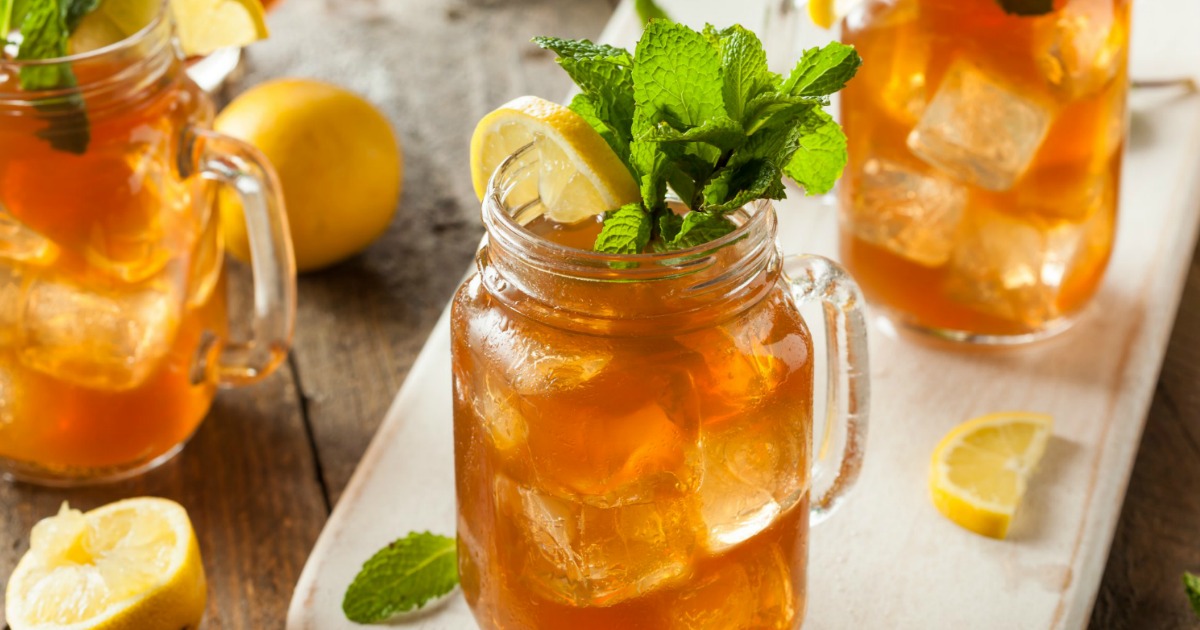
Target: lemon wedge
<point>130,565</point>
<point>580,175</point>
<point>204,26</point>
<point>980,470</point>
<point>826,13</point>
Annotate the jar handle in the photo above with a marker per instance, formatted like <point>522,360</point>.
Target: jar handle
<point>838,454</point>
<point>241,167</point>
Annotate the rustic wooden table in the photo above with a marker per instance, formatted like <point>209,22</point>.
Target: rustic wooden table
<point>261,475</point>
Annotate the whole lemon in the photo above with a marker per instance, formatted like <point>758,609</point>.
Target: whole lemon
<point>338,161</point>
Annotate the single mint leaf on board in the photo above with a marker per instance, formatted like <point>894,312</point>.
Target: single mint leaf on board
<point>821,156</point>
<point>699,228</point>
<point>1026,7</point>
<point>405,575</point>
<point>823,71</point>
<point>44,35</point>
<point>744,73</point>
<point>626,231</point>
<point>648,10</point>
<point>1191,584</point>
<point>677,77</point>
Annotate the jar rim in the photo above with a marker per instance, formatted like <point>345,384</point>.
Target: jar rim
<point>160,16</point>
<point>502,225</point>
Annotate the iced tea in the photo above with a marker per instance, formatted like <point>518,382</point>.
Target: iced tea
<point>112,300</point>
<point>985,158</point>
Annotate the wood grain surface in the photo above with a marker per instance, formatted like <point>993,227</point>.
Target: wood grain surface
<point>261,474</point>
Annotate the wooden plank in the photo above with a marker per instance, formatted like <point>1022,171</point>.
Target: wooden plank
<point>1156,539</point>
<point>888,559</point>
<point>248,482</point>
<point>435,67</point>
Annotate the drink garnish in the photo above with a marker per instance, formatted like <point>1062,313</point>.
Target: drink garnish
<point>403,576</point>
<point>45,27</point>
<point>700,112</point>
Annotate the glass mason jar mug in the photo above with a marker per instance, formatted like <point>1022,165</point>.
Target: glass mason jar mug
<point>113,322</point>
<point>634,434</point>
<point>985,148</point>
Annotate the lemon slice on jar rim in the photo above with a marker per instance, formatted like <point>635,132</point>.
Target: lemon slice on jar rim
<point>980,470</point>
<point>202,26</point>
<point>580,175</point>
<point>130,565</point>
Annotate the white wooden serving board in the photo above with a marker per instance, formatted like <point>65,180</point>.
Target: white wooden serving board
<point>887,559</point>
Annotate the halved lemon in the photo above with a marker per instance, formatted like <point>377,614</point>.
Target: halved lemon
<point>580,176</point>
<point>980,470</point>
<point>130,565</point>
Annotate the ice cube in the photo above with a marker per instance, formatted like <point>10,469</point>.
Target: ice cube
<point>913,214</point>
<point>752,595</point>
<point>111,339</point>
<point>1013,266</point>
<point>978,129</point>
<point>583,555</point>
<point>496,404</point>
<point>753,469</point>
<point>19,242</point>
<point>1081,47</point>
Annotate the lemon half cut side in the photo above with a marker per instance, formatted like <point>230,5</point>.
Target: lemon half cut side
<point>130,565</point>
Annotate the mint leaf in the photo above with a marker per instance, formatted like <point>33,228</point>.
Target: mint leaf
<point>821,156</point>
<point>1026,7</point>
<point>772,109</point>
<point>626,231</point>
<point>585,106</point>
<point>736,186</point>
<point>649,162</point>
<point>647,10</point>
<point>823,71</point>
<point>604,74</point>
<point>44,35</point>
<point>699,228</point>
<point>669,225</point>
<point>1191,584</point>
<point>677,77</point>
<point>402,576</point>
<point>722,132</point>
<point>744,73</point>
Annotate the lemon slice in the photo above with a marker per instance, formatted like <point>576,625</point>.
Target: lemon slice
<point>204,26</point>
<point>981,468</point>
<point>132,564</point>
<point>580,176</point>
<point>826,13</point>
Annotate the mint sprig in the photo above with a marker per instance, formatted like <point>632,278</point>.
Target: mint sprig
<point>402,576</point>
<point>1191,584</point>
<point>700,113</point>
